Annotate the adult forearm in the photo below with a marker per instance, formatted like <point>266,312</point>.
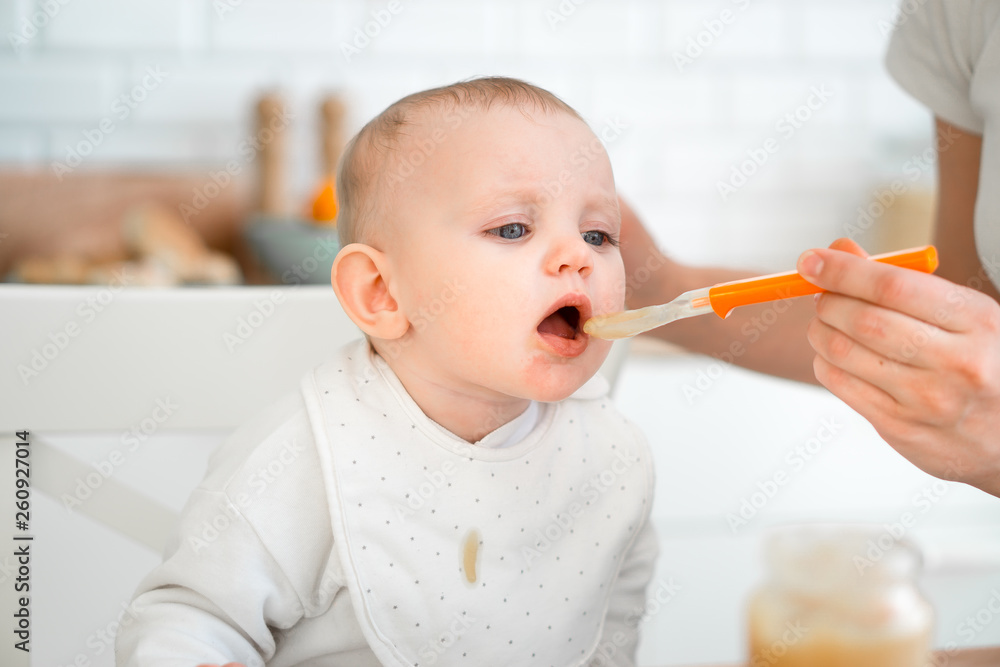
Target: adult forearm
<point>770,338</point>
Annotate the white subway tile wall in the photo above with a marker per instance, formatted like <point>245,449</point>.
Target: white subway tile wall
<point>793,91</point>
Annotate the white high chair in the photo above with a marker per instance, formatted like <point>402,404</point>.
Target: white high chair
<point>125,392</point>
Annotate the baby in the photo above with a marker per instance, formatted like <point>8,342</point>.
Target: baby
<point>456,488</point>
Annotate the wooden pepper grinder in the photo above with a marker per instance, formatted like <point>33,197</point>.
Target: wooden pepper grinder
<point>271,137</point>
<point>324,209</point>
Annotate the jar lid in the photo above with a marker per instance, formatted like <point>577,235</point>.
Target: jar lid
<point>827,555</point>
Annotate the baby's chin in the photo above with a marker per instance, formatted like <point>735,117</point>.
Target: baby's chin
<point>562,381</point>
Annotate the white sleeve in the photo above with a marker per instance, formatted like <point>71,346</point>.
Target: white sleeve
<point>213,600</point>
<point>933,55</point>
<point>620,640</point>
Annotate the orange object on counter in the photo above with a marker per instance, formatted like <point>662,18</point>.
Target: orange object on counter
<point>324,207</point>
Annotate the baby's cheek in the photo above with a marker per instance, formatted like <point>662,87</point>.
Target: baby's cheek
<point>439,300</point>
<point>612,301</point>
<point>614,286</point>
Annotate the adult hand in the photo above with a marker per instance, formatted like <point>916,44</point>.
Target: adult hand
<point>916,355</point>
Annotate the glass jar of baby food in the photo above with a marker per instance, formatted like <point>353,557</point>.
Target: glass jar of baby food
<point>839,596</point>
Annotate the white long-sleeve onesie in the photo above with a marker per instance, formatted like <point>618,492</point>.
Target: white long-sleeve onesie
<point>333,531</point>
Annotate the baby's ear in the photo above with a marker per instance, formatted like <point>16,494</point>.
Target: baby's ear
<point>361,278</point>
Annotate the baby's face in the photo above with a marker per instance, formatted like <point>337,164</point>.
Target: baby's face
<point>501,241</point>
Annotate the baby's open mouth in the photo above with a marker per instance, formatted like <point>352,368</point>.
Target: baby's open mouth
<point>562,329</point>
<point>564,322</point>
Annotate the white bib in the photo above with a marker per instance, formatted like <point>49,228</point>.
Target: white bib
<point>462,555</point>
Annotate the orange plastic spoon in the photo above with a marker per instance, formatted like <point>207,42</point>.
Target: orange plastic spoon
<point>722,298</point>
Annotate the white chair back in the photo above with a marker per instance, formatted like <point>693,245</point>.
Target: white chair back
<point>124,394</point>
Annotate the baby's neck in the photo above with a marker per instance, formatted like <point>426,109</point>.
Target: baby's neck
<point>469,416</point>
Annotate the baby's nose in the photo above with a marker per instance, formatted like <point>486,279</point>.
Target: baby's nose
<point>570,253</point>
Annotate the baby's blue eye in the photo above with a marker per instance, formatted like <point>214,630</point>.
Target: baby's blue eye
<point>594,237</point>
<point>512,231</point>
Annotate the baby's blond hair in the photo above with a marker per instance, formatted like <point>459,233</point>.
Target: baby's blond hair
<point>366,175</point>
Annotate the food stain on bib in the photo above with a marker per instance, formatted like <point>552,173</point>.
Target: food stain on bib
<point>470,555</point>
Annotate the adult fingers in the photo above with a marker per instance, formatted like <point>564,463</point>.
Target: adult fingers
<point>897,422</point>
<point>888,333</point>
<point>922,296</point>
<point>865,398</point>
<point>848,245</point>
<point>926,437</point>
<point>916,393</point>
